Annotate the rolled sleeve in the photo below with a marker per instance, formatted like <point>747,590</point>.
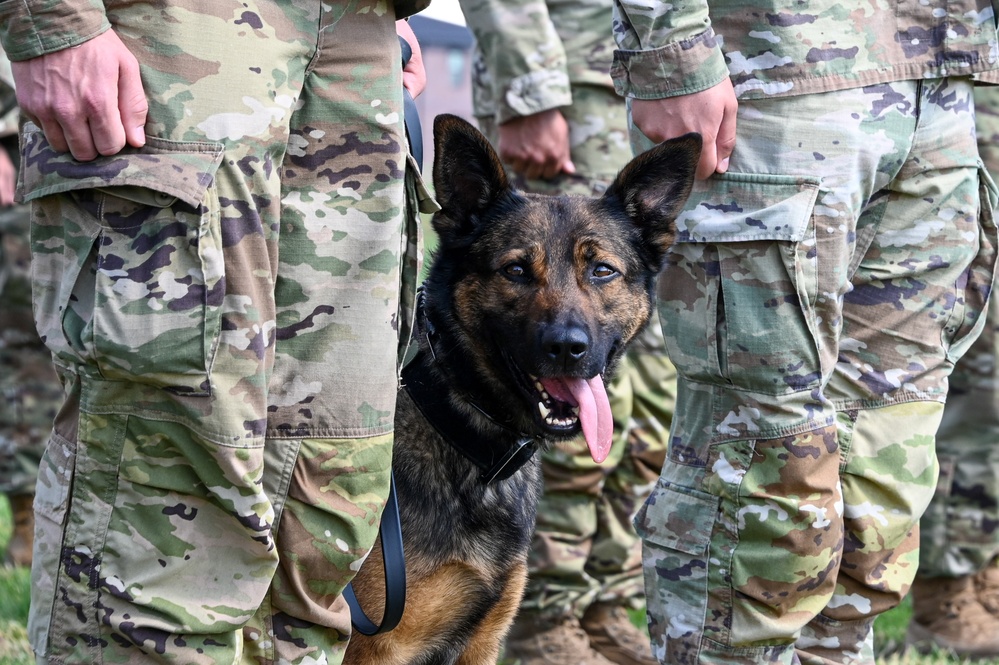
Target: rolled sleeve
<point>30,28</point>
<point>678,68</point>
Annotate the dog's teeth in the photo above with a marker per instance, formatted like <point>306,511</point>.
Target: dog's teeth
<point>545,411</point>
<point>575,411</point>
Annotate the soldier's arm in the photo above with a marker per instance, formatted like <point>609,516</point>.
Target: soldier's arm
<point>671,66</point>
<point>74,77</point>
<point>527,65</point>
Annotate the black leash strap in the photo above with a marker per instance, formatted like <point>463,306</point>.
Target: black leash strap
<point>394,564</point>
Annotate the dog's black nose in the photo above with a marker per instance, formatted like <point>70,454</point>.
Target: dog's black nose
<point>565,345</point>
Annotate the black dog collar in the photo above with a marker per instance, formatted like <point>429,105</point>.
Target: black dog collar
<point>498,459</point>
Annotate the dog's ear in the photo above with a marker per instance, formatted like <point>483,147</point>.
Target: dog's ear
<point>468,175</point>
<point>654,186</point>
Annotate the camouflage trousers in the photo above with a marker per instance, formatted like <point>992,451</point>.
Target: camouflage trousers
<point>585,548</point>
<point>816,301</point>
<point>959,533</point>
<point>30,393</point>
<point>225,306</point>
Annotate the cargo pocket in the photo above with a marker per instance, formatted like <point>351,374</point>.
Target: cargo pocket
<point>972,302</point>
<point>129,276</point>
<point>737,299</point>
<point>675,525</point>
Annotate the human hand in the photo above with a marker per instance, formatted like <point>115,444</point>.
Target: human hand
<point>88,99</point>
<point>8,177</point>
<point>414,74</point>
<point>711,112</point>
<point>536,146</point>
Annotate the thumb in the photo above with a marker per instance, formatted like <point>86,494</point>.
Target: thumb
<point>725,142</point>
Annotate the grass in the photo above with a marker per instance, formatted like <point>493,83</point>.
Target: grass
<point>14,589</point>
<point>889,630</point>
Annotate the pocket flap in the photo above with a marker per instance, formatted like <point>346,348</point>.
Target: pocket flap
<point>428,204</point>
<point>735,207</point>
<point>678,518</point>
<point>183,169</point>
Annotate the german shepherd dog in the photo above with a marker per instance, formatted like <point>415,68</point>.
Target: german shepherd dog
<point>528,305</point>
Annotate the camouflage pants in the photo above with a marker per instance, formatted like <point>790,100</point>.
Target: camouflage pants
<point>959,533</point>
<point>226,305</point>
<point>815,304</point>
<point>585,548</point>
<point>30,392</point>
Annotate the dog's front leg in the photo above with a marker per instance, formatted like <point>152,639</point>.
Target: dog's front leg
<point>484,645</point>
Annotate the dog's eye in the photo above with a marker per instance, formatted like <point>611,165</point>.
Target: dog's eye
<point>603,271</point>
<point>515,271</point>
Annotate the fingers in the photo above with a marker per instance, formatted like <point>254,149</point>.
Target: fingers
<point>537,146</point>
<point>725,141</point>
<point>132,104</point>
<point>8,178</point>
<point>88,99</point>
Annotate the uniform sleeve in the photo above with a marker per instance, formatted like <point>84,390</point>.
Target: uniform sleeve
<point>523,54</point>
<point>665,49</point>
<point>30,28</point>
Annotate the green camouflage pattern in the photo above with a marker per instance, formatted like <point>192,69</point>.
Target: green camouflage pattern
<point>959,533</point>
<point>30,393</point>
<point>34,28</point>
<point>815,302</point>
<point>530,55</point>
<point>775,49</point>
<point>225,305</point>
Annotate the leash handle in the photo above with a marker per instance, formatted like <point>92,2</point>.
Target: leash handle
<point>394,564</point>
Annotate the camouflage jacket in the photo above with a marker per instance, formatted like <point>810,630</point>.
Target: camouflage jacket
<point>772,48</point>
<point>30,28</point>
<point>530,52</point>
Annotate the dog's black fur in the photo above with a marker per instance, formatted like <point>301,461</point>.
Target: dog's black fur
<point>522,286</point>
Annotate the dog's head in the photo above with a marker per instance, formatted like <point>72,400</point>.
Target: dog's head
<point>536,296</point>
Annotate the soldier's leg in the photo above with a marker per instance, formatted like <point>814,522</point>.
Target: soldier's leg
<point>781,523</point>
<point>559,587</point>
<point>30,392</point>
<point>615,559</point>
<point>958,580</point>
<point>333,390</point>
<point>159,299</point>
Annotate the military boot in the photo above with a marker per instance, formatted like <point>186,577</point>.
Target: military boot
<point>947,614</point>
<point>23,536</point>
<point>613,635</point>
<point>534,640</point>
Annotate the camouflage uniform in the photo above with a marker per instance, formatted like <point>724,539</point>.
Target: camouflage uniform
<point>224,305</point>
<point>814,305</point>
<point>956,592</point>
<point>531,57</point>
<point>959,533</point>
<point>30,392</point>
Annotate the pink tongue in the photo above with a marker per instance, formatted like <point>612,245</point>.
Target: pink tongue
<point>594,411</point>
